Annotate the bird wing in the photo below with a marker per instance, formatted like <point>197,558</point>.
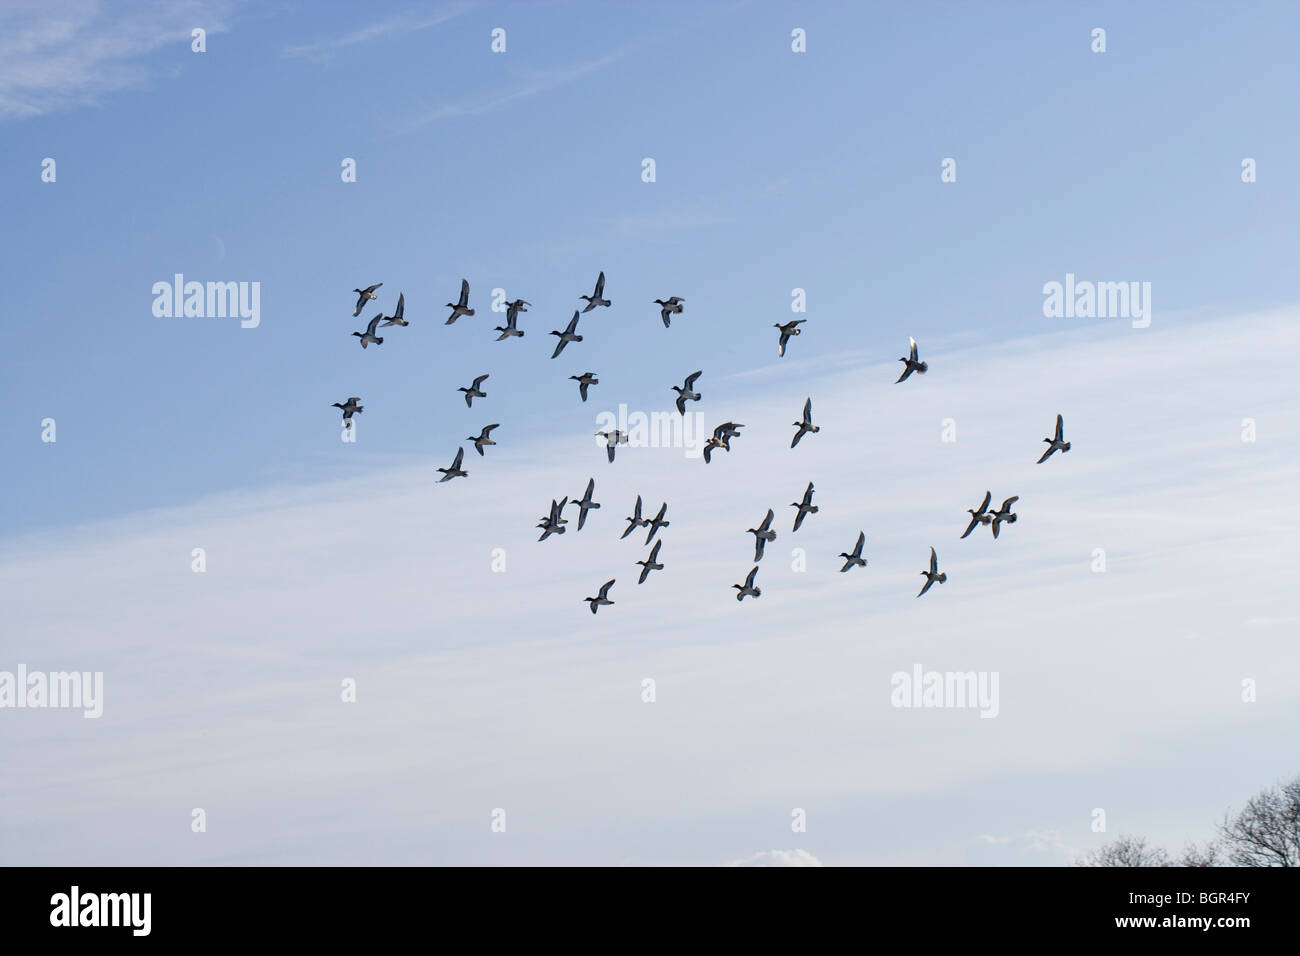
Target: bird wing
<point>975,519</point>
<point>573,323</point>
<point>600,287</point>
<point>780,348</point>
<point>988,496</point>
<point>758,548</point>
<point>749,579</point>
<point>934,562</point>
<point>808,493</point>
<point>488,428</point>
<point>401,305</point>
<point>460,456</point>
<point>766,525</point>
<point>862,539</point>
<point>664,314</point>
<point>928,582</point>
<point>374,287</point>
<point>480,380</point>
<point>654,552</point>
<point>604,588</point>
<point>637,510</point>
<point>912,352</point>
<point>907,370</point>
<point>1009,502</point>
<point>464,293</point>
<point>1060,427</point>
<point>807,411</point>
<point>370,329</point>
<point>662,510</point>
<point>797,436</point>
<point>681,404</point>
<point>690,379</point>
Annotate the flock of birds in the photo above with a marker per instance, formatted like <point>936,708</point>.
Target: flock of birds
<point>554,522</point>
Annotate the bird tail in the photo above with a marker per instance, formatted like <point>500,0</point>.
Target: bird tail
<point>379,340</point>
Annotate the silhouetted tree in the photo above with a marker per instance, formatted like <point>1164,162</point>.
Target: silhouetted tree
<point>1265,833</point>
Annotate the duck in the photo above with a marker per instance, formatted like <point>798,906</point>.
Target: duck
<point>397,318</point>
<point>650,564</point>
<point>668,308</point>
<point>635,520</point>
<point>474,391</point>
<point>455,470</point>
<point>806,425</point>
<point>1058,443</point>
<point>597,297</point>
<point>460,307</point>
<point>805,507</point>
<point>911,364</point>
<point>482,438</point>
<point>350,407</point>
<point>567,336</point>
<point>585,503</point>
<point>364,296</point>
<point>602,596</point>
<point>855,559</point>
<point>585,380</point>
<point>368,335</point>
<point>933,574</point>
<point>787,330</point>
<point>979,516</point>
<point>686,392</point>
<point>762,534</point>
<point>748,589</point>
<point>613,439</point>
<point>1004,514</point>
<point>509,328</point>
<point>658,522</point>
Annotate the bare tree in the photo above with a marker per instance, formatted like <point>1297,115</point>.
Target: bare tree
<point>1267,830</point>
<point>1126,851</point>
<point>1265,833</point>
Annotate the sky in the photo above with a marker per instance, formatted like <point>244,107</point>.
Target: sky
<point>482,687</point>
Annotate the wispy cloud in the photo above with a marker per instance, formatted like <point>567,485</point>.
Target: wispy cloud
<point>402,23</point>
<point>533,84</point>
<point>56,56</point>
<point>779,858</point>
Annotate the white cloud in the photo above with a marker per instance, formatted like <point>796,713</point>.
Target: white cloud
<point>779,858</point>
<point>480,690</point>
<point>58,54</point>
<point>402,23</point>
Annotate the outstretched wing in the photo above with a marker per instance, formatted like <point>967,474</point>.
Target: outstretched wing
<point>460,456</point>
<point>1009,502</point>
<point>690,380</point>
<point>401,305</point>
<point>912,352</point>
<point>749,579</point>
<point>370,329</point>
<point>600,287</point>
<point>934,562</point>
<point>604,588</point>
<point>767,522</point>
<point>807,411</point>
<point>862,539</point>
<point>573,323</point>
<point>464,293</point>
<point>988,496</point>
<point>1060,427</point>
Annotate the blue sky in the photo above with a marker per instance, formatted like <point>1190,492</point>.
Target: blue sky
<point>522,171</point>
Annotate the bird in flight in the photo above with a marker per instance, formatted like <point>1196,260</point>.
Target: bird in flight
<point>979,516</point>
<point>509,328</point>
<point>554,522</point>
<point>350,407</point>
<point>585,381</point>
<point>474,391</point>
<point>911,364</point>
<point>567,336</point>
<point>658,522</point>
<point>1057,443</point>
<point>368,335</point>
<point>460,307</point>
<point>635,520</point>
<point>1004,514</point>
<point>806,425</point>
<point>787,330</point>
<point>613,439</point>
<point>668,308</point>
<point>762,534</point>
<point>806,507</point>
<point>585,503</point>
<point>455,470</point>
<point>933,574</point>
<point>686,392</point>
<point>602,596</point>
<point>597,297</point>
<point>397,318</point>
<point>650,564</point>
<point>482,438</point>
<point>748,589</point>
<point>364,296</point>
<point>855,559</point>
